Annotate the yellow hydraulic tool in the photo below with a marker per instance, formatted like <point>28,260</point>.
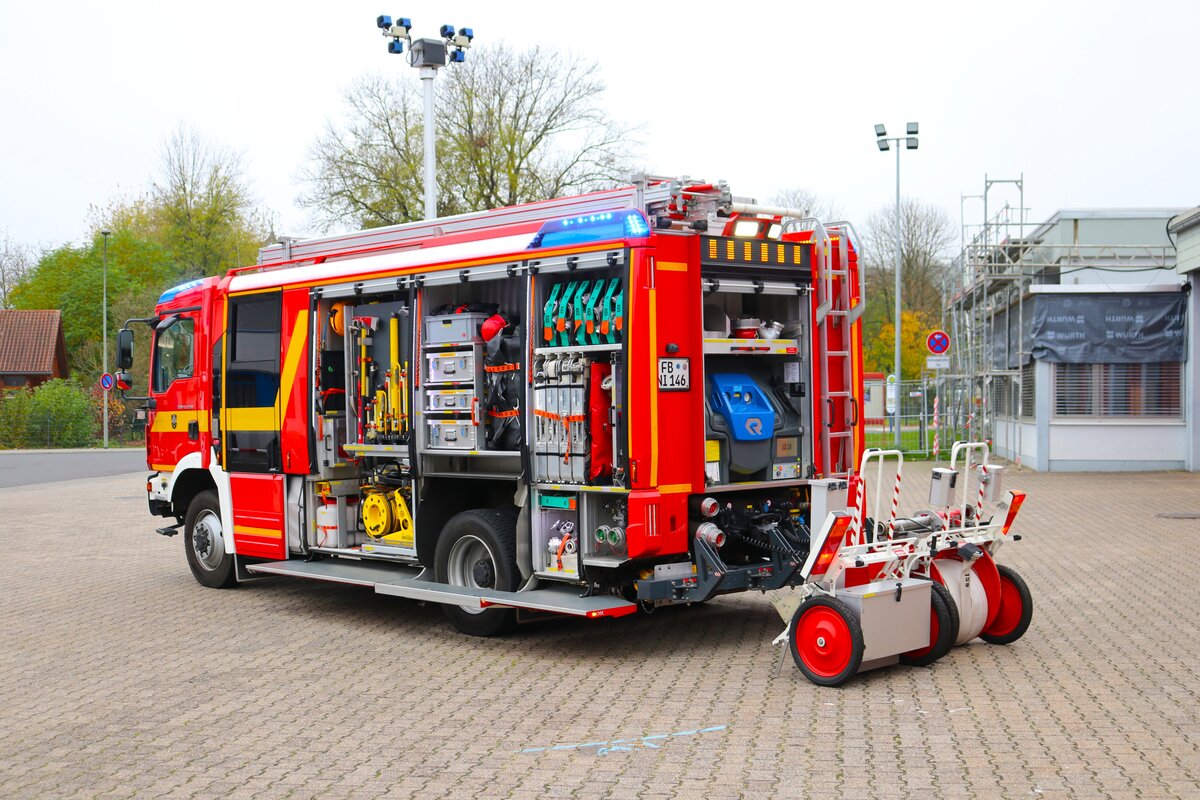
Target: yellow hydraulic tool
<point>394,390</point>
<point>386,517</point>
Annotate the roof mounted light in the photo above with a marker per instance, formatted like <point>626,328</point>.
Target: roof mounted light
<point>587,228</point>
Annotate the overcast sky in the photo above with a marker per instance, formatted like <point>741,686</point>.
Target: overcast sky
<point>1093,102</point>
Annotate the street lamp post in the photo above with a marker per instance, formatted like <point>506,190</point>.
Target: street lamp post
<point>910,143</point>
<point>105,234</point>
<point>428,56</point>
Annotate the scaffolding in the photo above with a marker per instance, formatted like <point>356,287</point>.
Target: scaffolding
<point>990,283</point>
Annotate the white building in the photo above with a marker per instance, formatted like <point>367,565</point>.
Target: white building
<point>1082,354</point>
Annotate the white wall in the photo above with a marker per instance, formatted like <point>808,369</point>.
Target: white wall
<point>1016,441</point>
<point>1116,445</point>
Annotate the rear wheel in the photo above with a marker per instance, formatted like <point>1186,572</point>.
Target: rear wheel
<point>943,629</point>
<point>826,640</point>
<point>204,542</point>
<point>477,550</point>
<point>1016,609</point>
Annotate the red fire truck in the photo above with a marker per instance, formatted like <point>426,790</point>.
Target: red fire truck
<point>585,406</point>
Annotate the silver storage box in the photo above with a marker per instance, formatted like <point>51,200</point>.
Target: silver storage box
<point>453,367</point>
<point>456,328</point>
<point>453,434</point>
<point>449,399</point>
<point>890,625</point>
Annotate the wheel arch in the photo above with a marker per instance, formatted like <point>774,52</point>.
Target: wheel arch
<point>442,498</point>
<point>190,478</point>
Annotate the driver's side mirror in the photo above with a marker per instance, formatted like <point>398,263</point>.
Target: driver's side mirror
<point>124,381</point>
<point>124,349</point>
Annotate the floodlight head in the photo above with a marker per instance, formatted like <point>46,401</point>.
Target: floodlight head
<point>467,32</point>
<point>880,130</point>
<point>383,21</point>
<point>105,233</point>
<point>883,144</point>
<point>911,143</point>
<point>458,57</point>
<point>395,47</point>
<point>447,31</point>
<point>912,129</point>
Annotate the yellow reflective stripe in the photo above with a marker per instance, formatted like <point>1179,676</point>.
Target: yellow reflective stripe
<point>162,421</point>
<point>675,488</point>
<point>267,533</point>
<point>672,266</point>
<point>653,327</point>
<point>291,362</point>
<point>250,419</point>
<point>163,467</point>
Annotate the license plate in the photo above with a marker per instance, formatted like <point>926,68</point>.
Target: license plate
<point>673,375</point>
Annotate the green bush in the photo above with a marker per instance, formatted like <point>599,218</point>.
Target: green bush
<point>14,417</point>
<point>60,415</point>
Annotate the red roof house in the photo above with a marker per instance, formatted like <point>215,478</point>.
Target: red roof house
<point>32,350</point>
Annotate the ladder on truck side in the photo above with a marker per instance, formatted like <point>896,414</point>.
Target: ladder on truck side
<point>836,316</point>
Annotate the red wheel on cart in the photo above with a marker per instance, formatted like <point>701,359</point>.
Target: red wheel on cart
<point>826,640</point>
<point>1015,612</point>
<point>943,629</point>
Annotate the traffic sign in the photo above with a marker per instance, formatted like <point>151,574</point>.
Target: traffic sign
<point>106,381</point>
<point>937,362</point>
<point>938,342</point>
<point>889,396</point>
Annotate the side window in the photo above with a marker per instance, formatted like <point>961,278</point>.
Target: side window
<point>173,354</point>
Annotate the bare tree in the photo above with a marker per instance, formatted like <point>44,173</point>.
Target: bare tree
<point>823,208</point>
<point>16,260</point>
<point>512,127</point>
<point>926,236</point>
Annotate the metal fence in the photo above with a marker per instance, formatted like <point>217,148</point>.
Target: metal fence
<point>932,416</point>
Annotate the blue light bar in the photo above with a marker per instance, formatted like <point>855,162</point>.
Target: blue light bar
<point>173,292</point>
<point>602,227</point>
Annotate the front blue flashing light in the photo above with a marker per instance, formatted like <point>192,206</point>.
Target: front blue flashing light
<point>173,292</point>
<point>600,227</point>
<point>383,21</point>
<point>395,47</point>
<point>458,57</point>
<point>447,31</point>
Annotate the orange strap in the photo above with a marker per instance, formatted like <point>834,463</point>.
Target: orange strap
<point>504,414</point>
<point>503,368</point>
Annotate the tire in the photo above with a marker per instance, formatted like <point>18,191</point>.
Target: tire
<point>1016,609</point>
<point>204,543</point>
<point>826,640</point>
<point>943,629</point>
<point>478,549</point>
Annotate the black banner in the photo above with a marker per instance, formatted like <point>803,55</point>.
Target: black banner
<point>1133,328</point>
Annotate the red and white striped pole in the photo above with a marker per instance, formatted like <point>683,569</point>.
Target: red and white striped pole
<point>895,504</point>
<point>935,427</point>
<point>983,478</point>
<point>860,500</point>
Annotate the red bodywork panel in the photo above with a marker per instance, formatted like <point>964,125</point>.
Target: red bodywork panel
<point>258,528</point>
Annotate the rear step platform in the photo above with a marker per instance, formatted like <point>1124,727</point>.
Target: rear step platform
<point>400,581</point>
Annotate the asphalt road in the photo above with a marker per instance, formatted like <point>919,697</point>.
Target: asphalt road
<point>27,467</point>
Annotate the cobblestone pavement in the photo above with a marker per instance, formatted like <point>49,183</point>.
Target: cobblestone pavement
<point>122,677</point>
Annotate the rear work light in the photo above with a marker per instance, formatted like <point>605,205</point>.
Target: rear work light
<point>584,229</point>
<point>1013,507</point>
<point>821,557</point>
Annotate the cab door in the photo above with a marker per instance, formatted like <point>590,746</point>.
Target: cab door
<point>178,416</point>
<point>250,424</point>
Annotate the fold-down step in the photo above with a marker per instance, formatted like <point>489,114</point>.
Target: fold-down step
<point>414,584</point>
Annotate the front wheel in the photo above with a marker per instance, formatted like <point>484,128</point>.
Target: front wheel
<point>204,542</point>
<point>826,640</point>
<point>1016,609</point>
<point>477,550</point>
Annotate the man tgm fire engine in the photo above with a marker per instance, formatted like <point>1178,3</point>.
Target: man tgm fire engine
<point>585,406</point>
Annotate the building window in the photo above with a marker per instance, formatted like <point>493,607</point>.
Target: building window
<point>1012,397</point>
<point>1152,390</point>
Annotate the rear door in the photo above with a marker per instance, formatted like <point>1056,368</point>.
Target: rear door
<point>250,442</point>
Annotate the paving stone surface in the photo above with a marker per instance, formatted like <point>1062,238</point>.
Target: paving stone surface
<point>122,677</point>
